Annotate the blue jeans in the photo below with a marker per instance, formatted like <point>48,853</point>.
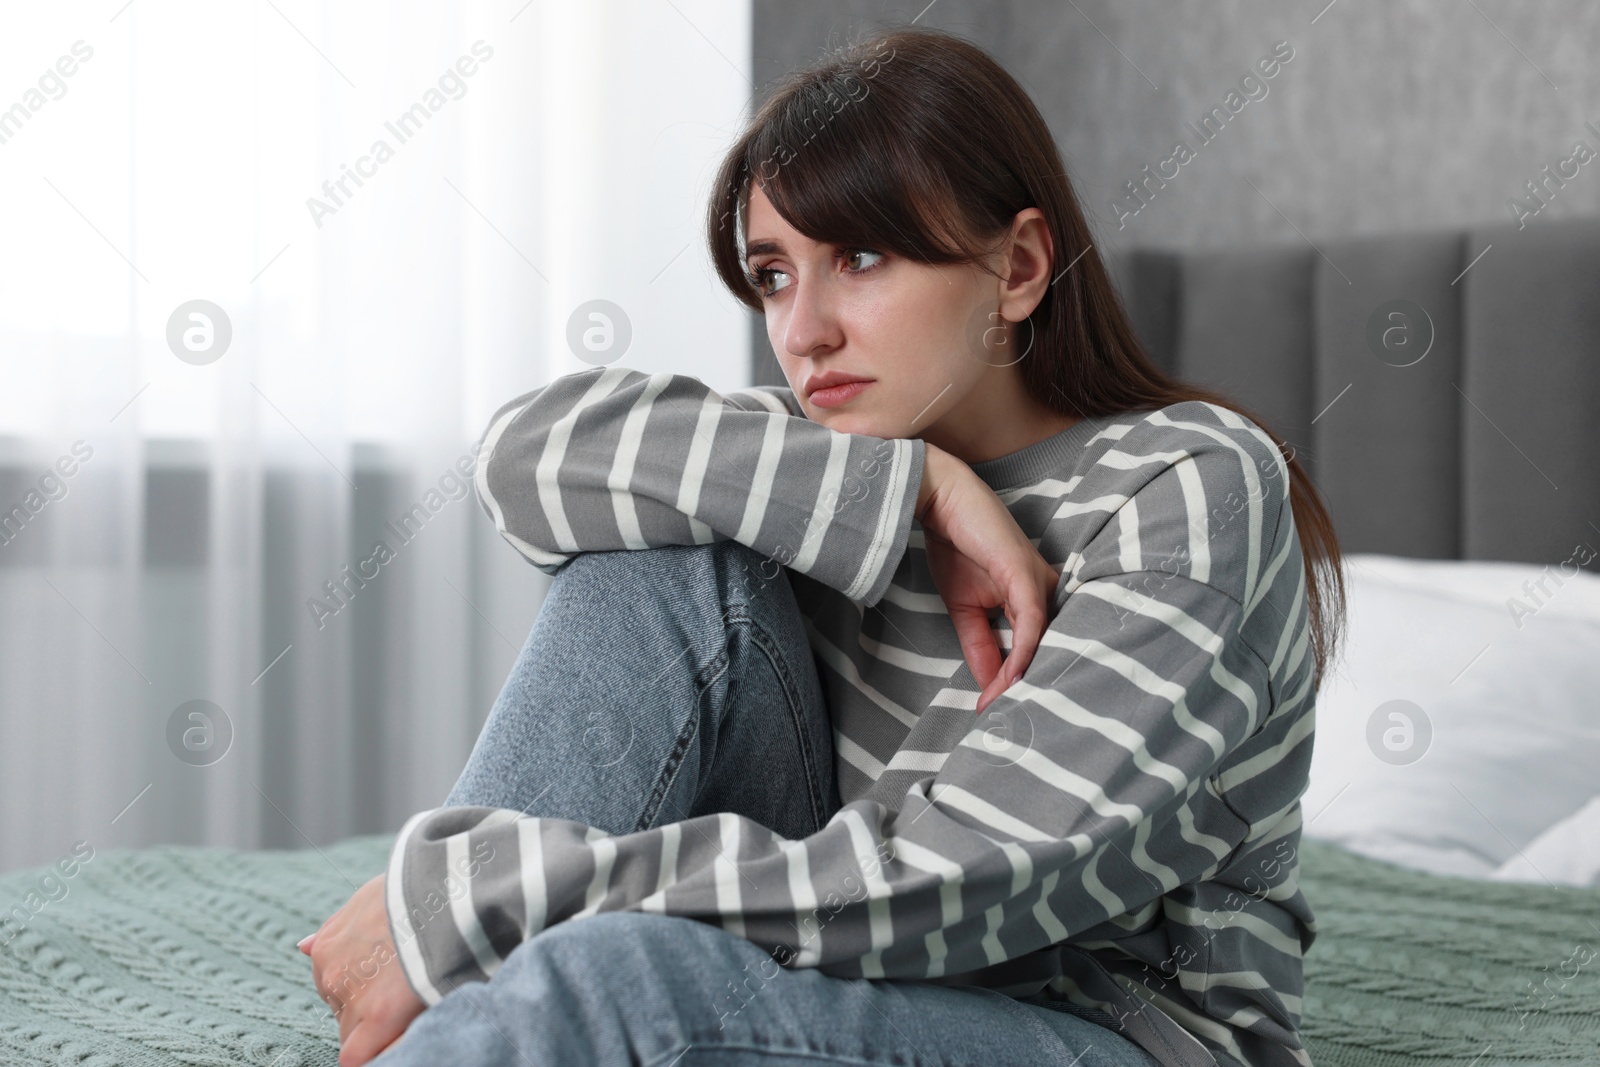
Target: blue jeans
<point>656,685</point>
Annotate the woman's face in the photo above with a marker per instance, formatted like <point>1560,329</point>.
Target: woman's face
<point>917,330</point>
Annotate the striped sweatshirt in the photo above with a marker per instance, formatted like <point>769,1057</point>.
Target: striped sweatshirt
<point>1117,832</point>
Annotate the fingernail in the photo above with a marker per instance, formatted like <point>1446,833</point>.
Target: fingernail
<point>303,940</point>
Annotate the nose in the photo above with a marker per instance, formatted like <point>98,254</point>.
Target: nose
<point>812,322</point>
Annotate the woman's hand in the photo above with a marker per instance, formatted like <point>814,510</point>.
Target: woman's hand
<point>980,559</point>
<point>356,970</point>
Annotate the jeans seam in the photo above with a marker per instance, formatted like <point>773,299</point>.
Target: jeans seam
<point>686,736</point>
<point>791,691</point>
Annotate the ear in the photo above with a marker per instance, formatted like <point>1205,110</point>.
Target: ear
<point>1027,265</point>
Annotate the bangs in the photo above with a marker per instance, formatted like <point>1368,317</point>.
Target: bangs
<point>903,144</point>
<point>839,171</point>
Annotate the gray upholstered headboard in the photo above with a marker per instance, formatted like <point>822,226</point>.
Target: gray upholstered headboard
<point>1486,448</point>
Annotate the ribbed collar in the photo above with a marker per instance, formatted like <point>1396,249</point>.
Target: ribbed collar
<point>1040,460</point>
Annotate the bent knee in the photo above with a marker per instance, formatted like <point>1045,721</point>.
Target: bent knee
<point>626,932</point>
<point>627,949</point>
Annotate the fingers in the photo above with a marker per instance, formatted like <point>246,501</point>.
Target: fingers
<point>381,1019</point>
<point>1033,617</point>
<point>1026,610</point>
<point>978,643</point>
<point>1027,629</point>
<point>365,1040</point>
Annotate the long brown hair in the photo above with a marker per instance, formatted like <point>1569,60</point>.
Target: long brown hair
<point>916,142</point>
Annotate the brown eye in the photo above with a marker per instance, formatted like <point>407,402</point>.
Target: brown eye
<point>856,252</point>
<point>758,278</point>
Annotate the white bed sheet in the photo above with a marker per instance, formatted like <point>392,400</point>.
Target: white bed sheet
<point>1492,768</point>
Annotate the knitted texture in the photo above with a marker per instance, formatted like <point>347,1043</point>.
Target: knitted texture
<point>1412,968</point>
<point>176,955</point>
<point>179,956</point>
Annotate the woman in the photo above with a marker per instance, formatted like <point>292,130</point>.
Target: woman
<point>1017,782</point>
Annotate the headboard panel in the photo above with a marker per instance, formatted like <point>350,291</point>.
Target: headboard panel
<point>1389,448</point>
<point>1532,321</point>
<point>1487,447</point>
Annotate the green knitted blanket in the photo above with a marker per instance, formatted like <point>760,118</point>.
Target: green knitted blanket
<point>186,956</point>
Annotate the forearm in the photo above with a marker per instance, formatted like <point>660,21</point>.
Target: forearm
<point>617,459</point>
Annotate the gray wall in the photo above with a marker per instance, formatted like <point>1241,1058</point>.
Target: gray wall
<point>1392,116</point>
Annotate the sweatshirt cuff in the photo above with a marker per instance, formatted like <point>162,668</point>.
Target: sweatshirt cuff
<point>408,947</point>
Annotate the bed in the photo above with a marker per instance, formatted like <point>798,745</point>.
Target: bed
<point>180,956</point>
<point>1452,848</point>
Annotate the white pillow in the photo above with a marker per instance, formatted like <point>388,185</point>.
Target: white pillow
<point>1567,854</point>
<point>1500,739</point>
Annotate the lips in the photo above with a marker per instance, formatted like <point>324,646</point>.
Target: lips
<point>833,395</point>
<point>835,387</point>
<point>831,379</point>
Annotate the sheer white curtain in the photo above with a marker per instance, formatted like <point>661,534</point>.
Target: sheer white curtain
<point>394,212</point>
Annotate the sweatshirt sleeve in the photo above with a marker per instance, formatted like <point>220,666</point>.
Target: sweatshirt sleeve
<point>613,458</point>
<point>1085,810</point>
